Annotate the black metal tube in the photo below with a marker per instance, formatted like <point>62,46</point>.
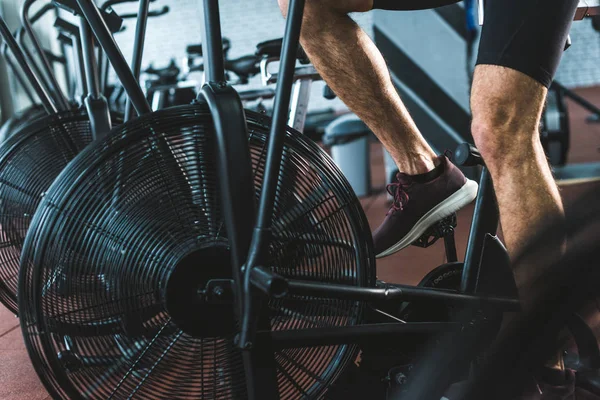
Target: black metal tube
<point>450,246</point>
<point>66,41</point>
<point>101,61</point>
<point>485,220</point>
<point>89,59</point>
<point>95,103</point>
<point>274,155</point>
<point>138,49</point>
<point>17,74</point>
<point>351,334</point>
<point>59,96</point>
<point>66,68</point>
<point>106,40</point>
<point>212,42</point>
<point>237,192</point>
<point>280,118</point>
<point>79,64</point>
<point>20,37</point>
<point>394,293</point>
<point>271,284</point>
<point>104,72</point>
<point>33,79</point>
<point>41,12</point>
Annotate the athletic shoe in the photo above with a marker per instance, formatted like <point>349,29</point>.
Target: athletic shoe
<point>420,201</point>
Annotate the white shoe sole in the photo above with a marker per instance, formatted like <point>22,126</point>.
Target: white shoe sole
<point>452,204</point>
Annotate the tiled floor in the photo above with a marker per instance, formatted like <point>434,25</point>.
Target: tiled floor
<point>19,382</point>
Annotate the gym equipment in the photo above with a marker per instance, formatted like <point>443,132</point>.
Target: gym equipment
<point>568,283</point>
<point>165,89</point>
<point>34,110</point>
<point>146,281</point>
<point>55,140</point>
<point>52,84</point>
<point>144,275</point>
<point>111,92</point>
<point>186,133</point>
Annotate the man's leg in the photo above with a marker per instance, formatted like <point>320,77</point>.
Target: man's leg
<point>428,188</point>
<point>507,107</point>
<point>355,70</point>
<point>518,56</point>
<point>519,53</point>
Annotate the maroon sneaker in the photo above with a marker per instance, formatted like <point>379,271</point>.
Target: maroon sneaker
<point>420,201</point>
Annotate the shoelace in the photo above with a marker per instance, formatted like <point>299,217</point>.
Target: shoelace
<point>398,192</point>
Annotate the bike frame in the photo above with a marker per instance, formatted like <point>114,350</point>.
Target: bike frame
<point>250,226</point>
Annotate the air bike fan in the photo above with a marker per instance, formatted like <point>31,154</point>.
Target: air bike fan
<point>34,155</point>
<point>125,285</point>
<point>38,151</point>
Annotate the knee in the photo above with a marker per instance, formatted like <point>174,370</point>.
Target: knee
<point>502,138</point>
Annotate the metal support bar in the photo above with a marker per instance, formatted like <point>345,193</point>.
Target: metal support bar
<point>212,43</point>
<point>237,195</point>
<point>45,98</point>
<point>79,64</point>
<point>17,73</point>
<point>138,49</point>
<point>113,53</point>
<point>450,246</point>
<point>95,102</point>
<point>352,334</point>
<point>394,293</point>
<point>485,221</point>
<point>20,37</point>
<point>89,59</point>
<point>59,96</point>
<point>273,160</point>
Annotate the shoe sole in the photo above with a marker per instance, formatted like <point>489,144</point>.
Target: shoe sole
<point>463,196</point>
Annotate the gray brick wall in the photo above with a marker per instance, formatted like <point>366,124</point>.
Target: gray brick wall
<point>580,65</point>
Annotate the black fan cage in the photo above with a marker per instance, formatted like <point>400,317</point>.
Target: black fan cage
<point>18,120</point>
<point>133,228</point>
<point>30,160</point>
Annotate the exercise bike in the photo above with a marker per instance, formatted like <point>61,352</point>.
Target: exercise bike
<point>214,286</point>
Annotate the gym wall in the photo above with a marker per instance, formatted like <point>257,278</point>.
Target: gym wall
<point>249,22</point>
<point>245,23</point>
<point>580,66</point>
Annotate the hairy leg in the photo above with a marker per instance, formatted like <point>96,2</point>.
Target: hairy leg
<point>507,107</point>
<point>355,70</point>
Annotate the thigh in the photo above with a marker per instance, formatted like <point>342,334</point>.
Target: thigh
<point>528,36</point>
<point>410,4</point>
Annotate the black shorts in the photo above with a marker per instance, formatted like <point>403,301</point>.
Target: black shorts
<point>517,34</point>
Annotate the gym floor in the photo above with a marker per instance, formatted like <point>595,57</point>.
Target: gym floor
<point>18,380</point>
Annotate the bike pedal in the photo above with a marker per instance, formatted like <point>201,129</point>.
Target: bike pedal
<point>441,229</point>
